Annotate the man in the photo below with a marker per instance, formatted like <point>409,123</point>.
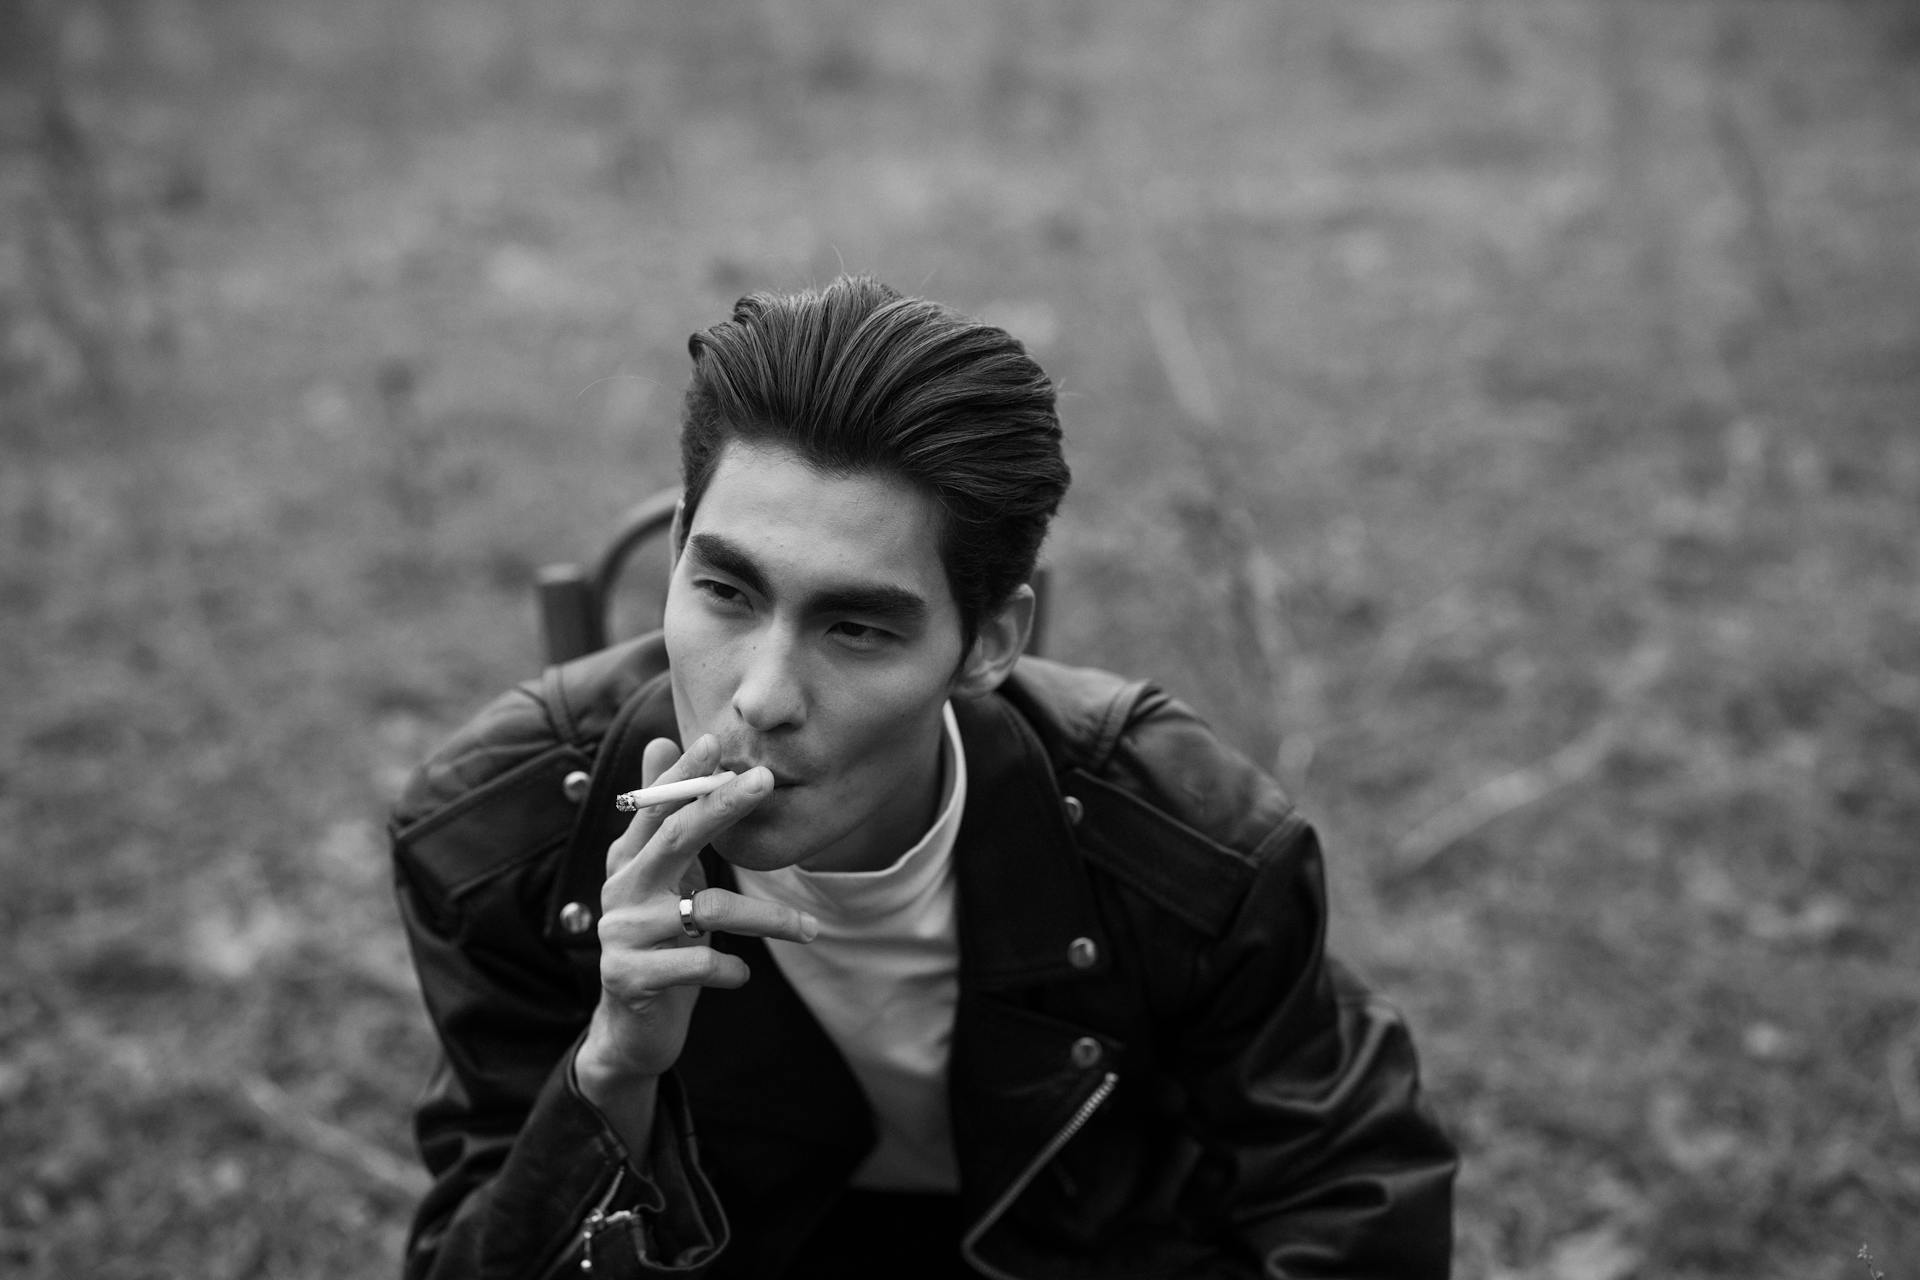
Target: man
<point>1038,985</point>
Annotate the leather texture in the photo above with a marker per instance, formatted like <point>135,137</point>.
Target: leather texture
<point>1156,1068</point>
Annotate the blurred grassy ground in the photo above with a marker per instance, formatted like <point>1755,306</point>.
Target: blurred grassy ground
<point>1502,416</point>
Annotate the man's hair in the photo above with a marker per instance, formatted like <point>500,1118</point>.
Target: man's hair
<point>856,377</point>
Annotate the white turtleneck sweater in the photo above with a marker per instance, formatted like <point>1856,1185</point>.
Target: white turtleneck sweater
<point>881,977</point>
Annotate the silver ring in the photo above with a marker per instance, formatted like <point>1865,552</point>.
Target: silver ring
<point>688,925</point>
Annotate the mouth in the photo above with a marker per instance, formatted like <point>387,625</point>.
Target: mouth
<point>781,782</point>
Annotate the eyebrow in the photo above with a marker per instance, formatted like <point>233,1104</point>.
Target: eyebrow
<point>878,600</point>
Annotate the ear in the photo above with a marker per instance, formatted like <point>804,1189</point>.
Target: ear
<point>1002,639</point>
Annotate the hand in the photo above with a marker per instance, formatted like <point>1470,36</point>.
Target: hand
<point>651,972</point>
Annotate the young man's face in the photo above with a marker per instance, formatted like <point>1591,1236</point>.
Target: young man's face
<point>811,629</point>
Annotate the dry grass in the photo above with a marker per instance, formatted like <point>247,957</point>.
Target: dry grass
<point>1503,416</point>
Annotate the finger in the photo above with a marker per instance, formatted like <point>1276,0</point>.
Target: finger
<point>658,757</point>
<point>660,761</point>
<point>637,977</point>
<point>680,836</point>
<point>723,911</point>
<point>657,921</point>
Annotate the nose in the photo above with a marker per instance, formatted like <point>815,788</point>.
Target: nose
<point>771,694</point>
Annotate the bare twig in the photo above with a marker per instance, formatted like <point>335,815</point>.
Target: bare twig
<point>281,1112</point>
<point>72,267</point>
<point>1261,581</point>
<point>1516,790</point>
<point>1258,579</point>
<point>1732,134</point>
<point>1180,359</point>
<point>1500,796</point>
<point>273,1108</point>
<point>1261,577</point>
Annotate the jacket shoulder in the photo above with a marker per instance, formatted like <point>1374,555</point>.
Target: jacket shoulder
<point>495,793</point>
<point>1166,805</point>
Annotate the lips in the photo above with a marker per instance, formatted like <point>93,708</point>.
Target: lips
<point>780,780</point>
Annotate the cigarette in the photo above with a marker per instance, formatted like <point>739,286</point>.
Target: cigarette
<point>668,792</point>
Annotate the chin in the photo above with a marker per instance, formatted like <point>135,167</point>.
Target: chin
<point>753,858</point>
<point>764,849</point>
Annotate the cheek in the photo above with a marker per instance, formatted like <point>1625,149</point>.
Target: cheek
<point>700,699</point>
<point>882,730</point>
<point>697,677</point>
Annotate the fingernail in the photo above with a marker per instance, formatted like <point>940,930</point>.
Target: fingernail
<point>809,927</point>
<point>758,781</point>
<point>703,748</point>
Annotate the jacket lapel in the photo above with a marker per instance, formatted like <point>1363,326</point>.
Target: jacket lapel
<point>647,715</point>
<point>1027,923</point>
<point>1026,909</point>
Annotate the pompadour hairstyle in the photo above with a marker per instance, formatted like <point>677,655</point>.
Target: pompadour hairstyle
<point>856,377</point>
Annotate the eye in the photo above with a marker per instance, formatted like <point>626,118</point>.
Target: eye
<point>859,635</point>
<point>720,593</point>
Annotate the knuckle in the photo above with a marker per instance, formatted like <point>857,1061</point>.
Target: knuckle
<point>615,978</point>
<point>673,830</point>
<point>616,928</point>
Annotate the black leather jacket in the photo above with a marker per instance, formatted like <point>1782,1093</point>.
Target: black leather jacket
<point>1155,1068</point>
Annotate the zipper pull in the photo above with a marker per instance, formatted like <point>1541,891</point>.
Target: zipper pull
<point>589,1229</point>
<point>598,1220</point>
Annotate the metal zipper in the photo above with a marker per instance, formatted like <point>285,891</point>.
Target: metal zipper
<point>597,1218</point>
<point>994,1211</point>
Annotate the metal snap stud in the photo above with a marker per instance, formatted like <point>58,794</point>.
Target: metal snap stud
<point>1083,953</point>
<point>1075,810</point>
<point>576,917</point>
<point>575,785</point>
<point>1086,1052</point>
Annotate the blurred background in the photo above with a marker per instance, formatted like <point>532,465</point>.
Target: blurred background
<point>1502,417</point>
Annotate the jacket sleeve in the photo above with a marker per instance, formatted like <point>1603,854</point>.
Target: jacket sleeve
<point>1303,1090</point>
<point>527,1176</point>
<point>1296,1090</point>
